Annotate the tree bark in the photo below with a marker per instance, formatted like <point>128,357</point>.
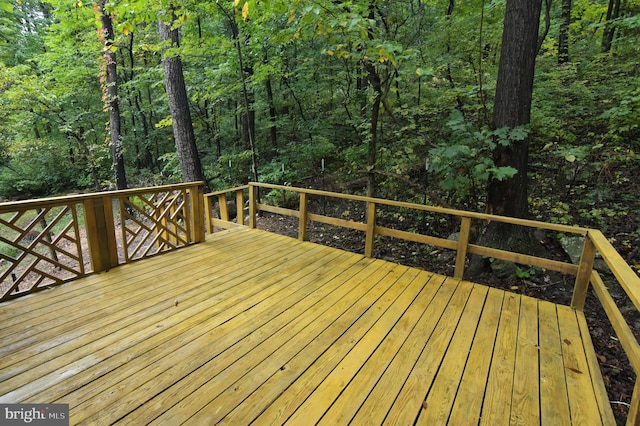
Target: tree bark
<point>376,83</point>
<point>613,12</point>
<point>179,106</point>
<point>112,99</point>
<point>273,130</point>
<point>563,37</point>
<point>512,108</point>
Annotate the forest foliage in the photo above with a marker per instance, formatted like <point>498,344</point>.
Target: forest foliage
<point>328,92</point>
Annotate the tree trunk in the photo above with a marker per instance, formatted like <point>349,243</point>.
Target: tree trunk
<point>179,107</point>
<point>512,108</point>
<point>563,37</point>
<point>376,83</point>
<point>273,130</point>
<point>112,99</point>
<point>613,12</point>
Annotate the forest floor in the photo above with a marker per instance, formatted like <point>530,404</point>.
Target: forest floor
<point>617,373</point>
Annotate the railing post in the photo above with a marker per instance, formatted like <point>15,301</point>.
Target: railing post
<point>208,214</point>
<point>302,222</point>
<point>252,206</point>
<point>240,207</point>
<point>222,207</point>
<point>196,195</point>
<point>101,233</point>
<point>371,229</point>
<point>584,274</point>
<point>463,244</point>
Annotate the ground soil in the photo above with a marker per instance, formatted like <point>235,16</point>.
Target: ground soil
<point>617,373</point>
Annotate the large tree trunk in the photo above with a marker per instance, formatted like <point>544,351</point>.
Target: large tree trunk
<point>112,99</point>
<point>179,107</point>
<point>512,108</point>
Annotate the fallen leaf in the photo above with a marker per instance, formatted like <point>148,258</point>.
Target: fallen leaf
<point>567,341</point>
<point>424,405</point>
<point>602,358</point>
<point>575,370</point>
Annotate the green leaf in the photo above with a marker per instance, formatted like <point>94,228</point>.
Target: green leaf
<point>6,6</point>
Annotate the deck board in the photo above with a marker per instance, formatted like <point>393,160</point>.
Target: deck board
<point>271,330</point>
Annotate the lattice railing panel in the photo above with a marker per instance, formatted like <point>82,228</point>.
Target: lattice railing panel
<point>154,222</point>
<point>40,247</point>
<point>51,241</point>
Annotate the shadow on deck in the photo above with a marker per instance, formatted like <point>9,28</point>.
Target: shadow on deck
<point>250,326</point>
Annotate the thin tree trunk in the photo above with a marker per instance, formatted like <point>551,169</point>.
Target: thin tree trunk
<point>613,12</point>
<point>273,130</point>
<point>563,37</point>
<point>376,83</point>
<point>112,99</point>
<point>179,107</point>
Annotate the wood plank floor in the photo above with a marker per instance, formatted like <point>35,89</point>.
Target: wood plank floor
<point>252,327</point>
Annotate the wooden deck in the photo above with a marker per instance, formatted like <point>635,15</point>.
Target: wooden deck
<point>254,327</point>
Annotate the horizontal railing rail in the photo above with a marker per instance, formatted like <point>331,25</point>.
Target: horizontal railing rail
<point>371,228</point>
<point>50,241</point>
<point>594,243</point>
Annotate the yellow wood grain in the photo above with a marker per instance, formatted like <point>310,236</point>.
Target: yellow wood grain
<point>604,406</point>
<point>353,334</point>
<point>435,209</point>
<point>370,232</point>
<point>410,400</point>
<point>633,418</point>
<point>251,327</point>
<point>468,401</point>
<point>626,276</point>
<point>441,396</point>
<point>110,295</point>
<point>232,340</point>
<point>305,328</point>
<point>91,351</point>
<point>303,217</point>
<point>525,403</point>
<point>496,408</point>
<point>418,238</point>
<point>161,346</point>
<point>342,380</point>
<point>85,291</point>
<point>583,276</point>
<point>233,319</point>
<point>348,403</point>
<point>349,224</point>
<point>554,265</point>
<point>463,244</point>
<point>554,402</point>
<point>580,390</point>
<point>381,397</point>
<point>622,329</point>
<point>41,313</point>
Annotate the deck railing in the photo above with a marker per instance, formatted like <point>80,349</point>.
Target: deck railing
<point>594,242</point>
<point>51,241</point>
